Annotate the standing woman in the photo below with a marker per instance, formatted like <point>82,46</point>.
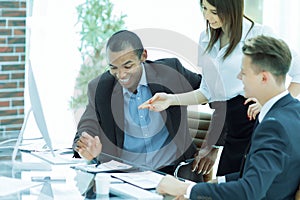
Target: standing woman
<point>227,29</point>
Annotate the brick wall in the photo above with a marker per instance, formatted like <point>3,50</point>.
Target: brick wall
<point>12,64</point>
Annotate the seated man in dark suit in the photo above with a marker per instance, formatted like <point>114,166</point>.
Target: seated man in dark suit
<point>271,168</point>
<point>113,124</point>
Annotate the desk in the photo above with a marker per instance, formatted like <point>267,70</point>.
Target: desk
<point>46,190</point>
<point>70,188</point>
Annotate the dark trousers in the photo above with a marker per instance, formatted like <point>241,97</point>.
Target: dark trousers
<point>231,127</point>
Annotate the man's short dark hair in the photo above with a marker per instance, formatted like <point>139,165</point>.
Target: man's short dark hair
<point>124,39</point>
<point>269,54</point>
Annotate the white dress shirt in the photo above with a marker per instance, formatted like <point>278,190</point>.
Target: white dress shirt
<point>220,82</point>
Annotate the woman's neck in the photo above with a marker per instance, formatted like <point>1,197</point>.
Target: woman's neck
<point>224,39</point>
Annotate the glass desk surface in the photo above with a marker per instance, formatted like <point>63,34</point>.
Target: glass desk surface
<point>65,183</point>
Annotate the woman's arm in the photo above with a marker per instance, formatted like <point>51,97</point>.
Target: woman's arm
<point>161,101</point>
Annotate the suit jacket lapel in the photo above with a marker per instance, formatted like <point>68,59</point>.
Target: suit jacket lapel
<point>281,102</point>
<point>117,107</point>
<point>152,79</point>
<point>156,84</point>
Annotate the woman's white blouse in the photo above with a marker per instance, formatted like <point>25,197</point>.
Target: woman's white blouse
<point>220,82</point>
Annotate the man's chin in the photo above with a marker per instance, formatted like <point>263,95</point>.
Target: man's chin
<point>128,87</point>
<point>124,85</point>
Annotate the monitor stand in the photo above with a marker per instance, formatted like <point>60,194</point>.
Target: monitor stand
<point>26,166</point>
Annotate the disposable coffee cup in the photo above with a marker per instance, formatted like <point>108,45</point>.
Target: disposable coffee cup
<point>102,181</point>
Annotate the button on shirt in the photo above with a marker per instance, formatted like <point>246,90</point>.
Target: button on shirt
<point>145,131</point>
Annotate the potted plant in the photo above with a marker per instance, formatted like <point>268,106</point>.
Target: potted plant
<point>98,23</point>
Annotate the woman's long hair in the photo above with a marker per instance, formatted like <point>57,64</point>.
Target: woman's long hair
<point>231,13</point>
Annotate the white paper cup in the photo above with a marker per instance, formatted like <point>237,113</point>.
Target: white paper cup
<point>102,181</point>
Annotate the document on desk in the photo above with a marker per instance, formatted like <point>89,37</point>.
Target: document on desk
<point>58,158</point>
<point>145,180</point>
<point>12,185</point>
<point>131,192</point>
<point>110,166</point>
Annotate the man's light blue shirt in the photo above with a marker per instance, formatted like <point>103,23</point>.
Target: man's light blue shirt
<point>146,136</point>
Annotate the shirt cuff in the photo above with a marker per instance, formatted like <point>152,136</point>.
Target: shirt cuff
<point>93,161</point>
<point>221,179</point>
<point>188,190</point>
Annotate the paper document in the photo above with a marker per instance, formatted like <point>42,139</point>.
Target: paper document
<point>132,192</point>
<point>58,159</point>
<point>12,185</point>
<point>145,180</point>
<point>104,167</point>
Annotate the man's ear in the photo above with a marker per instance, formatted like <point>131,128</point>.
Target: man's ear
<point>144,55</point>
<point>265,76</point>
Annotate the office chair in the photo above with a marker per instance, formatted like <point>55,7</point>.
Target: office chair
<point>198,123</point>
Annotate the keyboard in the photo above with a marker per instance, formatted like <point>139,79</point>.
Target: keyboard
<point>132,192</point>
<point>58,158</point>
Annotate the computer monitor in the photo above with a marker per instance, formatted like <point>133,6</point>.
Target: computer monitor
<point>36,109</point>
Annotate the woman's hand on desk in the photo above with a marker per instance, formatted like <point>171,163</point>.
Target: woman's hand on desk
<point>88,146</point>
<point>205,160</point>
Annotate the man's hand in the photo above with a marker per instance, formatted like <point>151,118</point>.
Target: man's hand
<point>172,186</point>
<point>205,160</point>
<point>297,197</point>
<point>159,102</point>
<point>88,146</point>
<point>253,109</point>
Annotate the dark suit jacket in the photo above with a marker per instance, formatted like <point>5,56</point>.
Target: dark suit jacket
<point>272,166</point>
<point>165,75</point>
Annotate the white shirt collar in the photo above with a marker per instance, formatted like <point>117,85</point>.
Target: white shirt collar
<point>267,106</point>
